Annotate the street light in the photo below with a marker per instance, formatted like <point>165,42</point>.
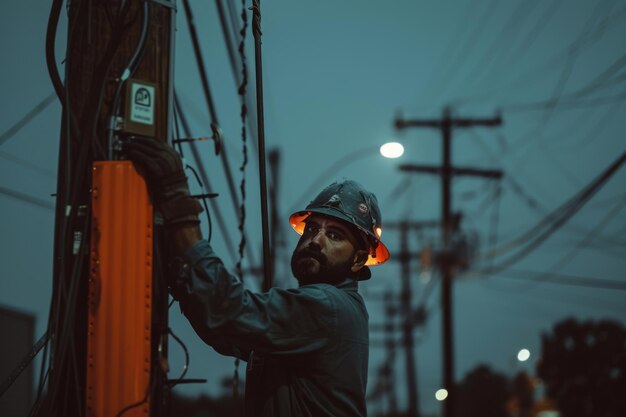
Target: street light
<point>392,150</point>
<point>441,394</point>
<point>523,355</point>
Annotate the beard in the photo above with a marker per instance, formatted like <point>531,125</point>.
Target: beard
<point>310,266</point>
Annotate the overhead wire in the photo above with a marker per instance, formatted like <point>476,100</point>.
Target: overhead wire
<point>578,46</point>
<point>211,108</point>
<point>18,195</point>
<point>534,237</point>
<point>27,118</point>
<point>519,190</point>
<point>48,173</point>
<point>516,18</point>
<point>564,279</point>
<point>230,49</point>
<point>437,87</point>
<point>215,208</point>
<point>557,266</point>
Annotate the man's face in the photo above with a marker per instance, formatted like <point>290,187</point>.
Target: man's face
<point>327,251</point>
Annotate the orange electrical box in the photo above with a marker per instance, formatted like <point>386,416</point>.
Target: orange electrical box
<point>120,293</point>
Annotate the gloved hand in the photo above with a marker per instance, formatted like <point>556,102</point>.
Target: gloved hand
<point>167,183</point>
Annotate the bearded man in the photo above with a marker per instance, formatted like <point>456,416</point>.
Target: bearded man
<point>306,348</point>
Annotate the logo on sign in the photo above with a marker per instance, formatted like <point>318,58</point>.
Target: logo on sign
<point>142,97</point>
<point>142,105</point>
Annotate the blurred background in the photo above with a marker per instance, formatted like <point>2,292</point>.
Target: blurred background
<point>537,249</point>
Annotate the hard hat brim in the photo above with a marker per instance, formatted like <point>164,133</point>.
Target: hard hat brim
<point>297,221</point>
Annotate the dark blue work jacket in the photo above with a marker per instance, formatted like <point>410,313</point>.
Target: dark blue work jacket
<point>307,348</point>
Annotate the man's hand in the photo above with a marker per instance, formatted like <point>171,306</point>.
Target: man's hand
<point>167,183</point>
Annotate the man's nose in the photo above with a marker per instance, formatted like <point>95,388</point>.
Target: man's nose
<point>318,239</point>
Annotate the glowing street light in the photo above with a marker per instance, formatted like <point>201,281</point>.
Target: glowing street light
<point>441,394</point>
<point>523,355</point>
<point>392,150</point>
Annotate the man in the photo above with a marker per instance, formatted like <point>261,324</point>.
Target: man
<point>307,348</point>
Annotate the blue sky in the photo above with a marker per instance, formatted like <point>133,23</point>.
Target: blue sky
<point>336,74</point>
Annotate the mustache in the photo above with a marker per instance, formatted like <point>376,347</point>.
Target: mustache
<point>311,253</point>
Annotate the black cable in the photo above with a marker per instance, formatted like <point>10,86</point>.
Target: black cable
<point>244,110</point>
<point>204,203</point>
<point>256,31</point>
<point>128,72</point>
<point>139,403</point>
<point>551,223</point>
<point>564,279</point>
<point>186,367</point>
<point>48,173</point>
<point>230,48</point>
<point>209,100</point>
<point>28,117</point>
<point>8,382</point>
<point>205,179</point>
<point>51,31</point>
<point>585,37</point>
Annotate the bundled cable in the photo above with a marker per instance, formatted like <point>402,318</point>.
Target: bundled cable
<point>530,240</point>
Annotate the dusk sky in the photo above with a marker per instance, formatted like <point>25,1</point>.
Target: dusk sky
<point>336,75</point>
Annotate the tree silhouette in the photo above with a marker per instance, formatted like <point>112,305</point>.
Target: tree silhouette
<point>482,393</point>
<point>584,368</point>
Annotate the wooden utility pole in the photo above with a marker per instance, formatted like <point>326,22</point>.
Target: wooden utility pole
<point>406,309</point>
<point>407,324</point>
<point>117,83</point>
<point>446,171</point>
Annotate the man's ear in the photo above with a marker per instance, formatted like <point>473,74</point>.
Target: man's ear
<point>360,257</point>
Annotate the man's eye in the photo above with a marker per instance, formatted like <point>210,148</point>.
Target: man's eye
<point>311,228</point>
<point>335,235</point>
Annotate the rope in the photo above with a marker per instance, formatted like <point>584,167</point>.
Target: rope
<point>242,187</point>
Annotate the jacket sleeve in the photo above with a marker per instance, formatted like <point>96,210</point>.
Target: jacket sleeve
<point>235,321</point>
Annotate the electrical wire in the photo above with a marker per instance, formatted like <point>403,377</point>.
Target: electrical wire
<point>204,203</point>
<point>139,403</point>
<point>547,276</point>
<point>563,279</point>
<point>534,237</point>
<point>517,17</point>
<point>128,72</point>
<point>212,112</point>
<point>186,366</point>
<point>436,87</point>
<point>26,198</point>
<point>230,48</point>
<point>205,179</point>
<point>48,173</point>
<point>27,118</point>
<point>244,111</point>
<point>586,38</point>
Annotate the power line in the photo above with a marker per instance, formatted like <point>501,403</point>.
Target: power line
<point>563,279</point>
<point>27,198</point>
<point>534,237</point>
<point>41,106</point>
<point>48,173</point>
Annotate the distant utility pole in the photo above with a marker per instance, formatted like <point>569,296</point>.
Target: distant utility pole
<point>446,124</point>
<point>409,317</point>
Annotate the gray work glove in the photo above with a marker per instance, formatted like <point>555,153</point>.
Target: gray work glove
<point>167,184</point>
